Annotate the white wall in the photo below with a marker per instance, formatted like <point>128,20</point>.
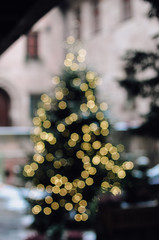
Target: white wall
<point>105,49</point>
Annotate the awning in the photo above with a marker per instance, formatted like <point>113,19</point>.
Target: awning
<point>17,17</point>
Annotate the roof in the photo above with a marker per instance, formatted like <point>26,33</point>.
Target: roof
<point>17,17</point>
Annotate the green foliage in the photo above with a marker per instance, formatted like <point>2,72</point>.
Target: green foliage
<point>142,79</point>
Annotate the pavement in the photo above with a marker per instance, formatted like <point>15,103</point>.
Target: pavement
<point>14,218</point>
<point>13,214</point>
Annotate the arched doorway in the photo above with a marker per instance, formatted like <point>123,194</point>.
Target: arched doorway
<point>4,108</point>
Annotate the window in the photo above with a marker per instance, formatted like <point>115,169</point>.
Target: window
<point>127,9</point>
<point>96,15</point>
<point>32,45</point>
<point>34,100</point>
<point>4,108</point>
<point>78,22</point>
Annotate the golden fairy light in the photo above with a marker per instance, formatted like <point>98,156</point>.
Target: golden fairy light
<point>76,81</point>
<point>39,147</point>
<point>70,56</point>
<point>104,160</point>
<point>37,130</point>
<point>49,199</point>
<point>120,147</point>
<point>38,158</point>
<point>69,206</point>
<point>43,135</point>
<point>40,187</point>
<point>36,209</point>
<point>90,76</point>
<point>105,132</point>
<point>45,98</point>
<point>46,124</point>
<point>59,95</point>
<point>70,40</point>
<point>96,160</point>
<point>128,165</point>
<point>105,185</point>
<point>93,127</point>
<point>74,67</point>
<point>71,143</point>
<point>104,124</point>
<point>55,205</point>
<point>82,52</point>
<point>75,137</point>
<point>92,171</point>
<point>62,105</point>
<point>94,109</point>
<point>115,190</point>
<point>78,217</point>
<point>36,121</point>
<point>84,87</point>
<point>80,59</point>
<point>68,62</point>
<point>34,166</point>
<point>89,181</point>
<point>96,144</point>
<point>85,129</point>
<point>47,210</point>
<point>63,192</point>
<point>60,127</point>
<point>103,106</point>
<point>86,137</point>
<point>80,133</point>
<point>49,189</point>
<point>91,104</point>
<point>100,115</point>
<point>41,112</point>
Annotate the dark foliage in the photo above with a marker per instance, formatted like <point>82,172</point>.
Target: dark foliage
<point>154,8</point>
<point>142,79</point>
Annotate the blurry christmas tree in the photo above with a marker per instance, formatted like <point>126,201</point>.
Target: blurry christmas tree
<point>73,159</point>
<point>142,79</point>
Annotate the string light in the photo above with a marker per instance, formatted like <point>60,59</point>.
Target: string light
<point>76,81</point>
<point>36,209</point>
<point>59,95</point>
<point>48,199</point>
<point>67,134</point>
<point>89,181</point>
<point>56,80</point>
<point>74,67</point>
<point>55,205</point>
<point>82,52</point>
<point>69,206</point>
<point>96,160</point>
<point>84,87</point>
<point>36,121</point>
<point>90,76</point>
<point>39,147</point>
<point>47,210</point>
<point>38,158</point>
<point>70,40</point>
<point>46,124</point>
<point>61,127</point>
<point>45,98</point>
<point>103,106</point>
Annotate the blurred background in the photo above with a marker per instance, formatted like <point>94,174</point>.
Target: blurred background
<point>106,29</point>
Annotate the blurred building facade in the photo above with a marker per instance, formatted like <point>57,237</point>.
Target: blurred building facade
<point>106,28</point>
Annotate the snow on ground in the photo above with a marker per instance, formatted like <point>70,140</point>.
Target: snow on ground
<point>13,218</point>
